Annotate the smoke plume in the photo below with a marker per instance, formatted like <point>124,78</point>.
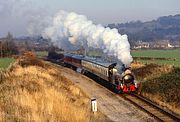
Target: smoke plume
<point>78,30</point>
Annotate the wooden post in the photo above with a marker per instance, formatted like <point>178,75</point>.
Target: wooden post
<point>94,105</point>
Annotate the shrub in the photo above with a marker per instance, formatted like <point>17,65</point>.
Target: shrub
<point>30,59</point>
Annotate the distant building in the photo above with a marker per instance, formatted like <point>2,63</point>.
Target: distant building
<point>141,44</point>
<point>170,46</point>
<point>176,44</point>
<point>162,44</point>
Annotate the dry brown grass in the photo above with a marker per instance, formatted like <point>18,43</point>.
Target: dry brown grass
<point>136,65</point>
<point>36,93</point>
<point>145,72</point>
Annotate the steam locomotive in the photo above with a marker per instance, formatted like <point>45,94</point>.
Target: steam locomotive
<point>121,78</point>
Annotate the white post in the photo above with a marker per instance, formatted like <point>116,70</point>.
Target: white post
<point>94,104</point>
<point>78,70</point>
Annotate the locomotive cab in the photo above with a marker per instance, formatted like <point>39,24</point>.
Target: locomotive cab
<point>115,76</point>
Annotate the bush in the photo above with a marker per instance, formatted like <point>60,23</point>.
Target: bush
<point>29,59</point>
<point>167,86</point>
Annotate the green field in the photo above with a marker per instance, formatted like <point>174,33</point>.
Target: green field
<point>5,62</point>
<point>42,54</point>
<point>174,54</point>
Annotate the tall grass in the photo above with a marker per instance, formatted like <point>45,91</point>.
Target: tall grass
<point>148,71</point>
<point>41,93</point>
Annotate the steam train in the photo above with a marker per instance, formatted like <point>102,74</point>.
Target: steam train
<point>121,78</point>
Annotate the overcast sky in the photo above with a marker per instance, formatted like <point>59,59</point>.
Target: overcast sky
<point>15,15</point>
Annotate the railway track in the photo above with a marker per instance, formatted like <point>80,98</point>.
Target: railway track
<point>149,107</point>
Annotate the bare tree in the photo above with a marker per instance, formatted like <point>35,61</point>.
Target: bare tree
<point>8,46</point>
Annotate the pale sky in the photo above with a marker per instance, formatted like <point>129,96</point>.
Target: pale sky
<point>15,14</point>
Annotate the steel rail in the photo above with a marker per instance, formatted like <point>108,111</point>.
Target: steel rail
<point>151,108</point>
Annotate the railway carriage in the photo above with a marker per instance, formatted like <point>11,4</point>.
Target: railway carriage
<point>72,61</point>
<point>120,79</point>
<point>101,70</point>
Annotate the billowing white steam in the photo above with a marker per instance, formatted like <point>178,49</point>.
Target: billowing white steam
<point>78,30</point>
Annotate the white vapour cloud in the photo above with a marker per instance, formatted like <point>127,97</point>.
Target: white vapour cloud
<point>36,24</point>
<point>77,29</point>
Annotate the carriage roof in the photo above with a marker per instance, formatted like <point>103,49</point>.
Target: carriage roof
<point>100,62</point>
<point>97,61</point>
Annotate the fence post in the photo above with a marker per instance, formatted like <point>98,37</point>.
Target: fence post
<point>94,104</point>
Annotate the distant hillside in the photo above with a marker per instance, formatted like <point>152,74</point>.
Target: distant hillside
<point>166,27</point>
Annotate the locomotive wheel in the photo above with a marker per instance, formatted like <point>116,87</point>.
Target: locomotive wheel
<point>118,91</point>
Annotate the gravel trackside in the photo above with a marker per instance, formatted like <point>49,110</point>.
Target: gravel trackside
<point>112,105</point>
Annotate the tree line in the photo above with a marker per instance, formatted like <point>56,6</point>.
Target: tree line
<point>7,46</point>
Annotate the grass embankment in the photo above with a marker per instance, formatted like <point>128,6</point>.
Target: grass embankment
<point>5,62</point>
<point>33,90</point>
<point>161,84</point>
